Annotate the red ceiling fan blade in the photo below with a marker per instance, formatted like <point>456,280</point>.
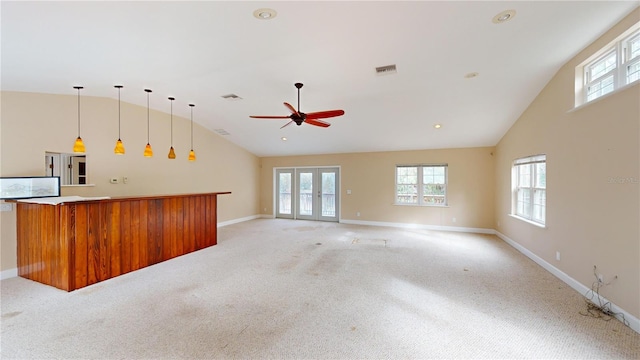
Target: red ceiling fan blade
<point>325,114</point>
<point>287,124</point>
<point>269,117</point>
<point>291,108</point>
<point>317,122</point>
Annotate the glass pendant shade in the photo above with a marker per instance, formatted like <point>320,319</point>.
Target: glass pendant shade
<point>192,155</point>
<point>119,149</point>
<point>147,151</point>
<point>172,154</point>
<point>78,147</point>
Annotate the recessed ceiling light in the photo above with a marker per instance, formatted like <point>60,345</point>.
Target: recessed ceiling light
<point>437,126</point>
<point>283,138</point>
<point>265,14</point>
<point>504,16</point>
<point>471,75</point>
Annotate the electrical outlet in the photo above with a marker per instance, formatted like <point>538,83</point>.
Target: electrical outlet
<point>558,255</point>
<point>6,207</point>
<point>358,213</point>
<point>125,179</point>
<point>601,278</point>
<point>453,220</point>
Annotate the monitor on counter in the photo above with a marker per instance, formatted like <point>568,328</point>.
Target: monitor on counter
<point>28,187</point>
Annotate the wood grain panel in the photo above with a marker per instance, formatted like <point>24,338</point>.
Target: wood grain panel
<point>74,245</point>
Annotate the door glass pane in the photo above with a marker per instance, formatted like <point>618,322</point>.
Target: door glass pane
<point>328,194</point>
<point>306,193</point>
<point>284,191</point>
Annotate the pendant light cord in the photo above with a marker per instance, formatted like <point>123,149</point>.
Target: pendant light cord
<point>148,91</point>
<point>78,88</point>
<point>118,113</point>
<point>171,120</point>
<point>78,112</point>
<point>191,125</point>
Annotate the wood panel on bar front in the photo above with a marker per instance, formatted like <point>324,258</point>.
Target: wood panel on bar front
<point>76,244</point>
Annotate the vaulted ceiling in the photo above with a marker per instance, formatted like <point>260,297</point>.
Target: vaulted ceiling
<point>201,51</point>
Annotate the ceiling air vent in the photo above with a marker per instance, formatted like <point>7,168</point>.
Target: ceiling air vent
<point>221,131</point>
<point>231,97</point>
<point>384,70</point>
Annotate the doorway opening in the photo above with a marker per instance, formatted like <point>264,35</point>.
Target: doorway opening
<point>308,193</point>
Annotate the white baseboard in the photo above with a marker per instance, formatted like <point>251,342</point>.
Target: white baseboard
<point>419,226</point>
<point>8,274</point>
<point>235,221</point>
<point>634,323</point>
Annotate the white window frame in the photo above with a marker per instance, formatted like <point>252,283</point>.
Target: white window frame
<point>534,190</point>
<point>620,46</point>
<point>420,186</point>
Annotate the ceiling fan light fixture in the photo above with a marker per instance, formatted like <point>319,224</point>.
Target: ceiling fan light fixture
<point>264,14</point>
<point>504,16</point>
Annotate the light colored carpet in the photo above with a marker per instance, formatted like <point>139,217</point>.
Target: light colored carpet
<point>282,289</point>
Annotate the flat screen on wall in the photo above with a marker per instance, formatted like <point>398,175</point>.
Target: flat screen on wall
<point>29,187</point>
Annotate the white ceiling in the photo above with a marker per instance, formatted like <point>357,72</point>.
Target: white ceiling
<point>200,51</point>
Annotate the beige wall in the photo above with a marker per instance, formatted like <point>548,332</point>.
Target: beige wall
<point>35,123</point>
<point>371,179</point>
<point>590,219</point>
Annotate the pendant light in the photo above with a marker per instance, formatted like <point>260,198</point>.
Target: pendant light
<point>192,154</point>
<point>147,150</point>
<point>119,149</point>
<point>78,147</point>
<point>172,154</point>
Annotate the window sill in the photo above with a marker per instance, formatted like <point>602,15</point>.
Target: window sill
<point>585,104</point>
<point>543,226</point>
<point>78,185</point>
<point>418,205</point>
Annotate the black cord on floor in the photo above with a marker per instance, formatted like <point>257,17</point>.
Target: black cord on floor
<point>597,308</point>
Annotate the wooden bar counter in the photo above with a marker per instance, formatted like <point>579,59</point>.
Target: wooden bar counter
<point>75,244</point>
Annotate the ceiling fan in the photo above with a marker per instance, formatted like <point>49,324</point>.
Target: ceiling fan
<point>299,117</point>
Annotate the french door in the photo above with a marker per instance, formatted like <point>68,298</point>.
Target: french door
<point>308,193</point>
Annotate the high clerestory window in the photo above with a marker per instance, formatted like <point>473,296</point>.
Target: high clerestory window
<point>613,67</point>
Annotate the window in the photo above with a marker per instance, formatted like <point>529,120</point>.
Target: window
<point>529,183</point>
<point>424,185</point>
<point>614,67</point>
